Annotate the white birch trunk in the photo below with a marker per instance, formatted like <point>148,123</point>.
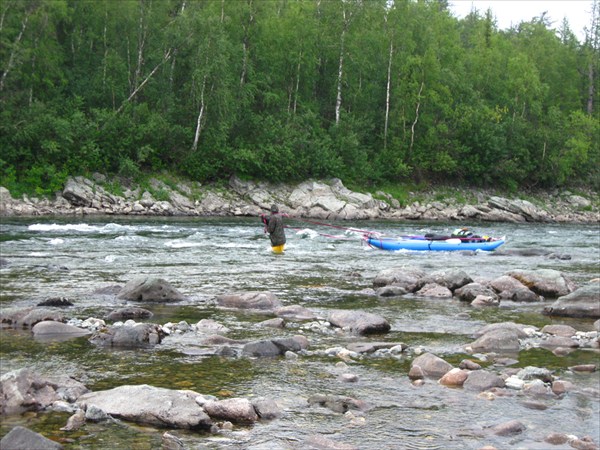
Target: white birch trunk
<point>200,116</point>
<point>143,83</point>
<point>141,43</point>
<point>387,96</point>
<point>297,83</point>
<point>245,54</point>
<point>338,100</point>
<point>15,47</point>
<point>414,124</point>
<point>105,49</point>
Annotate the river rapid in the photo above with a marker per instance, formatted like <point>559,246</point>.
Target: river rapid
<point>323,268</point>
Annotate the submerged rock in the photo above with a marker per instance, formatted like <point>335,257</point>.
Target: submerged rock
<point>250,300</point>
<point>147,289</point>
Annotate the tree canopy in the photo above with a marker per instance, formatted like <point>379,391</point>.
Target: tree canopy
<point>370,91</point>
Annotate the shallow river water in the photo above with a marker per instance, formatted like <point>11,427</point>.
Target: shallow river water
<point>323,268</point>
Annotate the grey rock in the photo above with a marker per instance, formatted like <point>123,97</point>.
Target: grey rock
<point>336,403</point>
<point>148,289</point>
<point>49,330</point>
<point>498,340</point>
<point>434,290</point>
<point>21,438</point>
<point>359,322</point>
<point>470,291</point>
<point>250,300</point>
<point>24,390</point>
<point>275,347</point>
<point>407,278</point>
<point>449,278</point>
<point>238,410</point>
<point>150,405</point>
<point>584,302</point>
<point>509,428</point>
<point>432,366</point>
<point>28,317</point>
<point>136,336</point>
<point>482,380</point>
<point>549,283</point>
<point>129,312</point>
<point>295,312</point>
<point>266,408</point>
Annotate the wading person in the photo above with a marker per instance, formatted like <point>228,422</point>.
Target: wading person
<point>274,226</point>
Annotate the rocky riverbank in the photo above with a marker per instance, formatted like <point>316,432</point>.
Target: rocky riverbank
<point>329,200</point>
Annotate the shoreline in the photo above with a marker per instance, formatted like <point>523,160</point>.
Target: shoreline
<point>324,200</point>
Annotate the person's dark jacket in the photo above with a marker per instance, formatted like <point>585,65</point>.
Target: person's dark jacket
<point>276,230</point>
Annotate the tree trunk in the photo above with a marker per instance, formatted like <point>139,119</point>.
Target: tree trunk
<point>139,88</point>
<point>15,47</point>
<point>387,96</point>
<point>338,101</point>
<point>414,124</point>
<point>200,116</point>
<point>297,82</point>
<point>246,45</point>
<point>141,44</point>
<point>590,102</point>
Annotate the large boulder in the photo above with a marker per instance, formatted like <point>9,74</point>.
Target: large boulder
<point>80,191</point>
<point>24,390</point>
<point>584,302</point>
<point>148,289</point>
<point>524,208</point>
<point>359,322</point>
<point>547,282</point>
<point>150,405</point>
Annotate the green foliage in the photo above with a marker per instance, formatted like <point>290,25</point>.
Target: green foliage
<point>126,87</point>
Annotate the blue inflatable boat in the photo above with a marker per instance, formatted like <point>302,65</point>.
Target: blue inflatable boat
<point>421,243</point>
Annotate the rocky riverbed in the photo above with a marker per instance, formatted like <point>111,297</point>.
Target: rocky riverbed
<point>486,374</point>
<point>329,200</point>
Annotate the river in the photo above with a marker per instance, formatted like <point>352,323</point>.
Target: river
<point>323,268</point>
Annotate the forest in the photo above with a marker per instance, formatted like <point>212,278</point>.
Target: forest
<point>370,91</point>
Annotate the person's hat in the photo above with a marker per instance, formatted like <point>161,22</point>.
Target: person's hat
<point>274,208</point>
